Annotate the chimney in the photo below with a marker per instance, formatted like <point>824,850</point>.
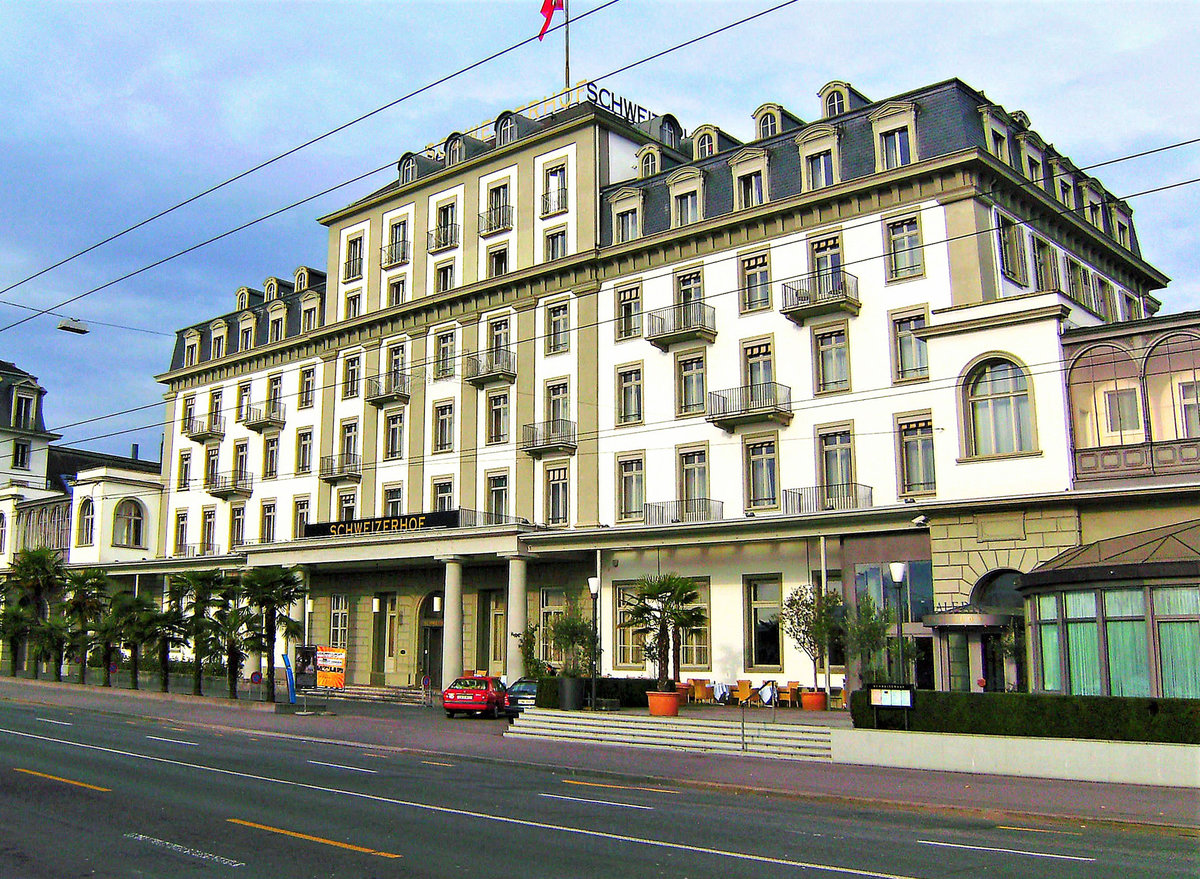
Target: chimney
<point>133,451</point>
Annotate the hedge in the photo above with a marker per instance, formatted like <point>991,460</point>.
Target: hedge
<point>1123,719</point>
<point>629,692</point>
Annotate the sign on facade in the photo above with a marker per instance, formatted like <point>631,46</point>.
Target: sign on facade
<point>384,524</point>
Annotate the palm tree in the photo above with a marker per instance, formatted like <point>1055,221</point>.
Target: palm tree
<point>135,619</point>
<point>86,600</point>
<point>659,609</point>
<point>170,631</point>
<point>50,638</point>
<point>37,576</point>
<point>108,635</point>
<point>233,626</point>
<point>198,593</point>
<point>272,591</point>
<point>15,623</point>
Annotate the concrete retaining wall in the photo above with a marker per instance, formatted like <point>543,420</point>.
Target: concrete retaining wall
<point>1078,759</point>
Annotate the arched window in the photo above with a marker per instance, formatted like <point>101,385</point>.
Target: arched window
<point>767,125</point>
<point>835,104</point>
<point>301,279</point>
<point>87,522</point>
<point>127,530</point>
<point>704,146</point>
<point>271,290</point>
<point>649,164</point>
<point>670,135</point>
<point>998,590</point>
<point>1172,375</point>
<point>506,131</point>
<point>998,410</point>
<point>454,151</point>
<point>408,170</point>
<point>1106,398</point>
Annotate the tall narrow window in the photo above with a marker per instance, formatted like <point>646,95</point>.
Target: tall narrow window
<point>627,225</point>
<point>911,357</point>
<point>820,170</point>
<point>1045,265</point>
<point>764,597</point>
<point>558,402</point>
<point>271,457</point>
<point>218,347</point>
<point>349,442</point>
<point>299,517</point>
<point>554,198</point>
<point>394,435</point>
<point>750,190</point>
<point>304,440</point>
<point>396,292</point>
<point>556,244</point>
<point>704,146</point>
<point>443,417</point>
<point>687,208</point>
<point>346,504</point>
<point>916,457</point>
<point>237,526</point>
<point>497,499</point>
<point>208,532</point>
<point>181,536</point>
<point>556,495</point>
<point>629,395</point>
<point>308,383</point>
<point>497,417</point>
<point>894,148</point>
<point>632,481</point>
<point>833,360</point>
<point>767,125</point>
<point>393,501</point>
<point>904,249</point>
<point>443,495</point>
<point>443,366</point>
<point>837,459</point>
<point>339,620</point>
<point>266,530</point>
<point>998,409</point>
<point>444,277</point>
<point>184,475</point>
<point>558,328</point>
<point>693,471</point>
<point>756,283</point>
<point>1012,251</point>
<point>690,391</point>
<point>353,267</point>
<point>85,533</point>
<point>761,470</point>
<point>350,378</point>
<point>629,313</point>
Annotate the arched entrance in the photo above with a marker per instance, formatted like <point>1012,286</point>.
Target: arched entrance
<point>429,639</point>
<point>1002,647</point>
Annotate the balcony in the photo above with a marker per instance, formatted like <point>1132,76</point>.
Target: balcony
<point>388,388</point>
<point>554,201</point>
<point>1155,458</point>
<point>260,418</point>
<point>681,323</point>
<point>497,219</point>
<point>341,468</point>
<point>819,294</point>
<point>827,498</point>
<point>697,509</point>
<point>443,237</point>
<point>195,550</point>
<point>202,430</point>
<point>498,365</point>
<point>769,401</point>
<point>394,254</point>
<point>352,269</point>
<point>230,485</point>
<point>548,437</point>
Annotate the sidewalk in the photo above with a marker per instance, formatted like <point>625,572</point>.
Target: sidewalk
<point>427,731</point>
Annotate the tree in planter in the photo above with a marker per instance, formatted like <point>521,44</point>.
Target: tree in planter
<point>811,619</point>
<point>658,608</point>
<point>84,604</point>
<point>867,628</point>
<point>573,634</point>
<point>535,667</point>
<point>272,591</point>
<point>198,592</point>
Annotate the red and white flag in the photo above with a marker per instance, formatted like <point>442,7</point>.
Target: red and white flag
<point>548,7</point>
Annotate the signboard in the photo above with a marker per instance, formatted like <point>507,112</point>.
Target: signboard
<point>306,667</point>
<point>384,524</point>
<point>331,667</point>
<point>891,697</point>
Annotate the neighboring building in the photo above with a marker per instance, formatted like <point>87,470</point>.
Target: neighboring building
<point>581,347</point>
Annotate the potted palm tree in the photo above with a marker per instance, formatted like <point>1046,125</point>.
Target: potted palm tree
<point>660,608</point>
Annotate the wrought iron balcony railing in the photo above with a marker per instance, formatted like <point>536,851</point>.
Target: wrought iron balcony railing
<point>443,237</point>
<point>678,323</point>
<point>201,429</point>
<point>696,509</point>
<point>768,401</point>
<point>393,254</point>
<point>496,364</point>
<point>825,498</point>
<point>260,418</point>
<point>820,293</point>
<point>352,269</point>
<point>223,485</point>
<point>336,468</point>
<point>496,219</point>
<point>554,201</point>
<point>556,435</point>
<point>388,387</point>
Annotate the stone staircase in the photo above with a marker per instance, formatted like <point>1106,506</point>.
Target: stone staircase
<point>364,693</point>
<point>785,741</point>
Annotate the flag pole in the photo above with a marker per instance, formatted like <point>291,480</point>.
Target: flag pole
<point>567,34</point>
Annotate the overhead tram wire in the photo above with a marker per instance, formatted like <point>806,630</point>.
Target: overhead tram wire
<point>292,151</point>
<point>601,78</point>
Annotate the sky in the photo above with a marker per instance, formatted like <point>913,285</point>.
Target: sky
<point>112,112</point>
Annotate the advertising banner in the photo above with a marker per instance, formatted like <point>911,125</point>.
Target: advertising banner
<point>306,666</point>
<point>331,667</point>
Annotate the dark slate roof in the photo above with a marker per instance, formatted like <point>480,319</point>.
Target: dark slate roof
<point>64,463</point>
<point>8,366</point>
<point>1166,551</point>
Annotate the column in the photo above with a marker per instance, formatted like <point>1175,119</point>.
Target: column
<point>452,621</point>
<point>518,618</point>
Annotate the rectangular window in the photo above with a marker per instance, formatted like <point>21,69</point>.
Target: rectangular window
<point>556,244</point>
<point>1035,171</point>
<point>837,461</point>
<point>395,365</point>
<point>246,339</point>
<point>553,606</point>
<point>1012,251</point>
<point>444,277</point>
<point>349,441</point>
<point>1121,408</point>
<point>354,248</point>
<point>689,393</point>
<point>271,457</point>
<point>894,148</point>
<point>833,361</point>
<point>397,242</point>
<point>629,395</point>
<point>629,313</point>
<point>694,642</point>
<point>189,354</point>
<point>393,501</point>
<point>558,328</point>
<point>274,394</point>
<point>350,378</point>
<point>1079,283</point>
<point>443,495</point>
<point>1045,265</point>
<point>308,320</point>
<point>212,464</point>
<point>208,532</point>
<point>299,517</point>
<point>629,652</point>
<point>916,457</point>
<point>243,401</point>
<point>184,476</point>
<point>443,419</point>
<point>218,347</point>
<point>764,607</point>
<point>353,305</point>
<point>904,249</point>
<point>820,170</point>
<point>497,417</point>
<point>687,208</point>
<point>1189,405</point>
<point>22,454</point>
<point>266,529</point>
<point>1105,301</point>
<point>631,476</point>
<point>497,263</point>
<point>693,475</point>
<point>443,366</point>
<point>909,350</point>
<point>396,291</point>
<point>1123,234</point>
<point>762,467</point>
<point>556,495</point>
<point>497,496</point>
<point>188,412</point>
<point>346,504</point>
<point>393,446</point>
<point>750,190</point>
<point>558,402</point>
<point>339,620</point>
<point>554,199</point>
<point>758,373</point>
<point>308,383</point>
<point>756,282</point>
<point>275,330</point>
<point>999,146</point>
<point>237,526</point>
<point>181,532</point>
<point>241,459</point>
<point>627,225</point>
<point>304,441</point>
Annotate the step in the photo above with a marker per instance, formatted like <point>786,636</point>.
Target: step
<point>672,744</point>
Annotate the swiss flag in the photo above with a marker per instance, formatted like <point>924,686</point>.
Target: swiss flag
<point>548,7</point>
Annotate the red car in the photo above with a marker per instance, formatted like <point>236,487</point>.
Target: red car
<point>483,695</point>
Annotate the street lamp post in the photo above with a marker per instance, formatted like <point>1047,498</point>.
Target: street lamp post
<point>897,571</point>
<point>594,588</point>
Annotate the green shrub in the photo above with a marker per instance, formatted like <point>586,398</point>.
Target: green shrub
<point>1122,719</point>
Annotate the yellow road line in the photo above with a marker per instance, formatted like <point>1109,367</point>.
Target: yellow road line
<point>435,763</point>
<point>104,790</point>
<point>653,790</point>
<point>1037,830</point>
<point>305,836</point>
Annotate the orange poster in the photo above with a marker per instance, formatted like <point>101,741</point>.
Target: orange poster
<point>331,667</point>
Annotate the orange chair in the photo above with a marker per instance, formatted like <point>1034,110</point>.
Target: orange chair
<point>790,695</point>
<point>746,694</point>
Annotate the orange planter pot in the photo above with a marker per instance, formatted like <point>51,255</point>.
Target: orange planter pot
<point>663,704</point>
<point>813,701</point>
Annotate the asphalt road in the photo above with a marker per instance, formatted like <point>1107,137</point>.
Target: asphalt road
<point>93,794</point>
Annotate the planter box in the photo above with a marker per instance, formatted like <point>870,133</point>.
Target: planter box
<point>663,704</point>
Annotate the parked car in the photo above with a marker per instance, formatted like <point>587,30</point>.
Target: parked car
<point>521,695</point>
<point>474,693</point>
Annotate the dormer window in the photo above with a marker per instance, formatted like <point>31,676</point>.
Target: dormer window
<point>670,134</point>
<point>454,151</point>
<point>894,148</point>
<point>246,339</point>
<point>275,329</point>
<point>835,104</point>
<point>218,347</point>
<point>506,131</point>
<point>301,279</point>
<point>243,299</point>
<point>408,170</point>
<point>894,125</point>
<point>705,146</point>
<point>767,125</point>
<point>190,352</point>
<point>271,290</point>
<point>649,165</point>
<point>23,412</point>
<point>750,180</point>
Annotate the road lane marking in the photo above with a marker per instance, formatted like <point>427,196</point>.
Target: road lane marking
<point>467,813</point>
<point>340,766</point>
<point>184,850</point>
<point>435,763</point>
<point>103,790</point>
<point>1006,851</point>
<point>1038,830</point>
<point>597,802</point>
<point>320,839</point>
<point>173,741</point>
<point>56,722</point>
<point>653,790</point>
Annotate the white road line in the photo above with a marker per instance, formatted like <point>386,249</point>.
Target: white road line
<point>1006,851</point>
<point>340,766</point>
<point>173,741</point>
<point>58,722</point>
<point>597,802</point>
<point>467,813</point>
